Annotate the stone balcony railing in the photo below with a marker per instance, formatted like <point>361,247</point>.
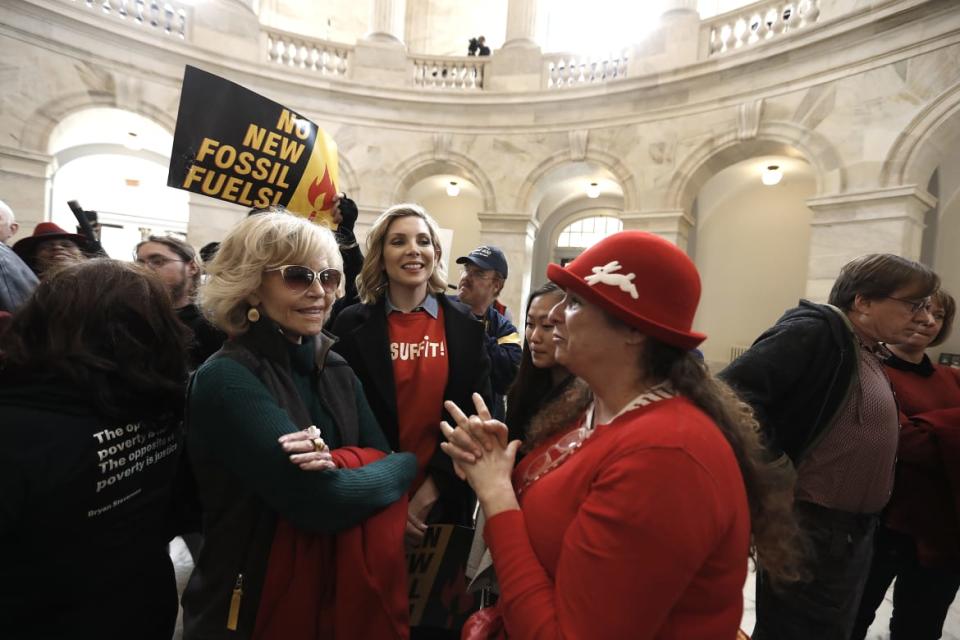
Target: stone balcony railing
<point>726,33</point>
<point>567,70</point>
<point>449,72</point>
<point>162,17</point>
<point>298,52</point>
<point>755,23</point>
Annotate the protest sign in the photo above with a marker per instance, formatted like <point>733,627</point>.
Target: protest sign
<point>436,580</point>
<point>235,145</point>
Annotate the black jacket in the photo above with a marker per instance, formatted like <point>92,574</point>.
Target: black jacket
<point>364,342</point>
<point>207,339</point>
<point>797,376</point>
<point>83,507</point>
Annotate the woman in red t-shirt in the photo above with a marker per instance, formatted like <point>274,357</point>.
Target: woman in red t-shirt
<point>413,348</point>
<point>635,520</point>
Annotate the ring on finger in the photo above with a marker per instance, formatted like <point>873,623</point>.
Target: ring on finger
<point>319,445</point>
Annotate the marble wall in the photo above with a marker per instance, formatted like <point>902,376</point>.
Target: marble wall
<point>862,99</point>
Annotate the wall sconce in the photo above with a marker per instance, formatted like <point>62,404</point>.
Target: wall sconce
<point>453,189</point>
<point>593,190</point>
<point>771,175</point>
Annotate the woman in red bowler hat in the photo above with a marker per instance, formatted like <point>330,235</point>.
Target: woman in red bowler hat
<point>636,520</point>
<point>51,247</point>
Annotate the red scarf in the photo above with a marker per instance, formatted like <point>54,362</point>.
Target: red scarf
<point>333,587</point>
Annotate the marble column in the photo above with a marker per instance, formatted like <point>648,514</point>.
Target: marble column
<point>672,44</point>
<point>366,215</point>
<point>674,225</point>
<point>211,219</point>
<point>844,226</point>
<point>514,233</point>
<point>386,21</point>
<point>380,58</point>
<point>521,24</point>
<point>518,65</point>
<point>25,187</point>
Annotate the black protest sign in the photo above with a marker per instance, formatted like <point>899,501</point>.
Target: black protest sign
<point>436,578</point>
<point>235,145</point>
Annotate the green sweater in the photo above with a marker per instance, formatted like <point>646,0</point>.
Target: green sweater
<point>236,422</point>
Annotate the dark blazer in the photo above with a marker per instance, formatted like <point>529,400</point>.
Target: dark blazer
<point>364,342</point>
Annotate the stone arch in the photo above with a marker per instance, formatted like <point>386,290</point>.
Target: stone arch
<point>349,182</point>
<point>773,138</point>
<point>921,146</point>
<point>423,165</point>
<point>35,134</point>
<point>606,160</point>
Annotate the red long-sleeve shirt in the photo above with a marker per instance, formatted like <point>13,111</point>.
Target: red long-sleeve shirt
<point>642,533</point>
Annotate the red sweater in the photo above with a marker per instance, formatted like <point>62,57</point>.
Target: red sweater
<point>642,533</point>
<point>926,494</point>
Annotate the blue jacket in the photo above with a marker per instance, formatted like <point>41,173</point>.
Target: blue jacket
<point>504,347</point>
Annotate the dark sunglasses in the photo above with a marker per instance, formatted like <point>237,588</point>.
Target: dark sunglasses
<point>299,278</point>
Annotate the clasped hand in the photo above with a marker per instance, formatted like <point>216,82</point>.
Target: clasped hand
<point>305,452</point>
<point>479,449</point>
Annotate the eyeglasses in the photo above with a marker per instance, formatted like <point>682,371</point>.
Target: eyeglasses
<point>299,278</point>
<point>915,305</point>
<point>476,274</point>
<point>157,261</point>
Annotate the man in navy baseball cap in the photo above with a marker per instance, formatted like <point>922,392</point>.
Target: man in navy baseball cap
<point>482,275</point>
<point>487,258</point>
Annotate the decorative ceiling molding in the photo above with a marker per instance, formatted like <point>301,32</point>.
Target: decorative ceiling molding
<point>579,139</point>
<point>748,119</point>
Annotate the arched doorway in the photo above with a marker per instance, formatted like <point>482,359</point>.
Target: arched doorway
<point>751,246</point>
<point>115,162</point>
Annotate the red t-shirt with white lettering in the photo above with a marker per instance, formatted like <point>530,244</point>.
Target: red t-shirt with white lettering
<point>418,350</point>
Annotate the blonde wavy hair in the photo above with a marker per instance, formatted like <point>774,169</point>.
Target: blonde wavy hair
<point>372,282</point>
<point>260,242</point>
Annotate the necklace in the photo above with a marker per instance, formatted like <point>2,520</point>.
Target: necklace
<point>557,453</point>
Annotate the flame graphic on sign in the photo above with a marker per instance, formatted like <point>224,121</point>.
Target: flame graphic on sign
<point>320,194</point>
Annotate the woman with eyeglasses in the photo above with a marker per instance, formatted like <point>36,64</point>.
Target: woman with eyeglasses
<point>918,542</point>
<point>275,394</point>
<point>634,519</point>
<point>413,348</point>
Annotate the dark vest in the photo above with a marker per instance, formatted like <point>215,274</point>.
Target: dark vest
<point>241,525</point>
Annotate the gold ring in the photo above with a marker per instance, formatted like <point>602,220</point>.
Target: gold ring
<point>319,445</point>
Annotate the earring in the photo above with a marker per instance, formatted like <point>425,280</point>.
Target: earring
<point>253,314</point>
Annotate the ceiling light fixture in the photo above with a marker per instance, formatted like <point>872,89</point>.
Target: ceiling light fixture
<point>453,189</point>
<point>133,141</point>
<point>593,190</point>
<point>771,175</point>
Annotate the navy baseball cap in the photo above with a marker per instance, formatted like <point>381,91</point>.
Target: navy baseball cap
<point>487,257</point>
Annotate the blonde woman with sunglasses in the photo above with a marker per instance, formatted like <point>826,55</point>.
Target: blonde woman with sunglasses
<point>276,394</point>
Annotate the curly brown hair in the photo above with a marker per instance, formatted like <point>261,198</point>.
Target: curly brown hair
<point>778,544</point>
<point>104,327</point>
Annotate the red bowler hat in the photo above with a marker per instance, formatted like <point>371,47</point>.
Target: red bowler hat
<point>642,279</point>
<point>43,232</point>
